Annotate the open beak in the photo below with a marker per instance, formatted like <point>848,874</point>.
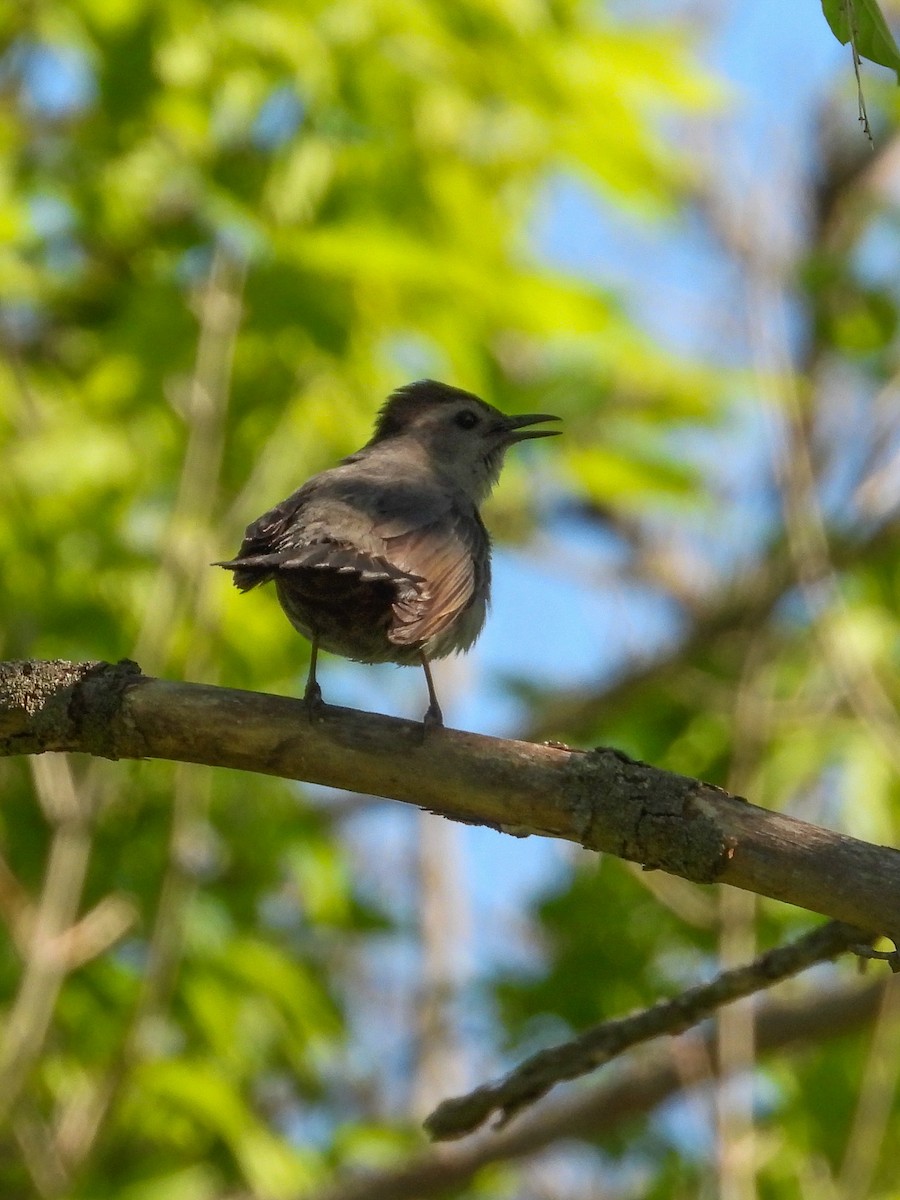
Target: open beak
<point>518,430</point>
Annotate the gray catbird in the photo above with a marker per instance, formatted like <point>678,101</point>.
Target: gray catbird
<point>385,558</point>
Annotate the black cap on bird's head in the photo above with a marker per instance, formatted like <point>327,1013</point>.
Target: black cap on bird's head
<point>403,405</point>
<point>404,409</point>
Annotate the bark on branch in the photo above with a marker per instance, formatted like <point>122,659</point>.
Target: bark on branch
<point>600,799</point>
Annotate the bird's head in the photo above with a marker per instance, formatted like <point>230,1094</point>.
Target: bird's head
<point>464,437</point>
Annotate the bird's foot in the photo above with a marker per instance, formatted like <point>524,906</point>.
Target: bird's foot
<point>312,698</point>
<point>434,718</point>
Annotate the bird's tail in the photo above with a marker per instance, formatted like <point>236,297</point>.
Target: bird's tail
<point>319,558</point>
<point>253,570</point>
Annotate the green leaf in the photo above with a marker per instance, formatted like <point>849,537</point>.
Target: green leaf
<point>863,22</point>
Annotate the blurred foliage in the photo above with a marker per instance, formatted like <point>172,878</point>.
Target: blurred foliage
<point>227,231</point>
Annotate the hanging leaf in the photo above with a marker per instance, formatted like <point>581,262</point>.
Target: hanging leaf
<point>862,23</point>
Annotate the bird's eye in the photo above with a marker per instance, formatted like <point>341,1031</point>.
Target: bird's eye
<point>466,419</point>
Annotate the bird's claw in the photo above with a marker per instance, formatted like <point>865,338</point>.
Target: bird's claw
<point>434,718</point>
<point>312,698</point>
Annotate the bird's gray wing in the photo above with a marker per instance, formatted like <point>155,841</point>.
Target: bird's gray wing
<point>328,526</point>
<point>430,544</point>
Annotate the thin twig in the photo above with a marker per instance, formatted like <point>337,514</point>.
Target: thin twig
<point>96,932</point>
<point>185,552</point>
<point>649,1078</point>
<point>850,13</point>
<point>814,556</point>
<point>29,1017</point>
<point>808,540</point>
<point>891,957</point>
<point>869,1132</point>
<point>183,578</point>
<point>538,1074</point>
<point>16,908</point>
<point>48,1172</point>
<point>752,724</point>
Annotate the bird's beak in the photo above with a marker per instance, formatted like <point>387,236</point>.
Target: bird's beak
<point>517,427</point>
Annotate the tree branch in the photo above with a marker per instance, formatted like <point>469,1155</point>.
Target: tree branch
<point>650,1077</point>
<point>535,1076</point>
<point>599,799</point>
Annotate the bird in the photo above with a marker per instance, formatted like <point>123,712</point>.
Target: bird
<point>385,557</point>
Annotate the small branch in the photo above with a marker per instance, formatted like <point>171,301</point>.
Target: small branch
<point>891,957</point>
<point>31,1013</point>
<point>650,1077</point>
<point>600,799</point>
<point>81,1121</point>
<point>869,1139</point>
<point>182,579</point>
<point>99,929</point>
<point>40,1158</point>
<point>850,13</point>
<point>534,1078</point>
<point>16,909</point>
<point>537,1075</point>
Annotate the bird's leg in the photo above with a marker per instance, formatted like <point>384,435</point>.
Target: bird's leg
<point>434,716</point>
<point>312,695</point>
